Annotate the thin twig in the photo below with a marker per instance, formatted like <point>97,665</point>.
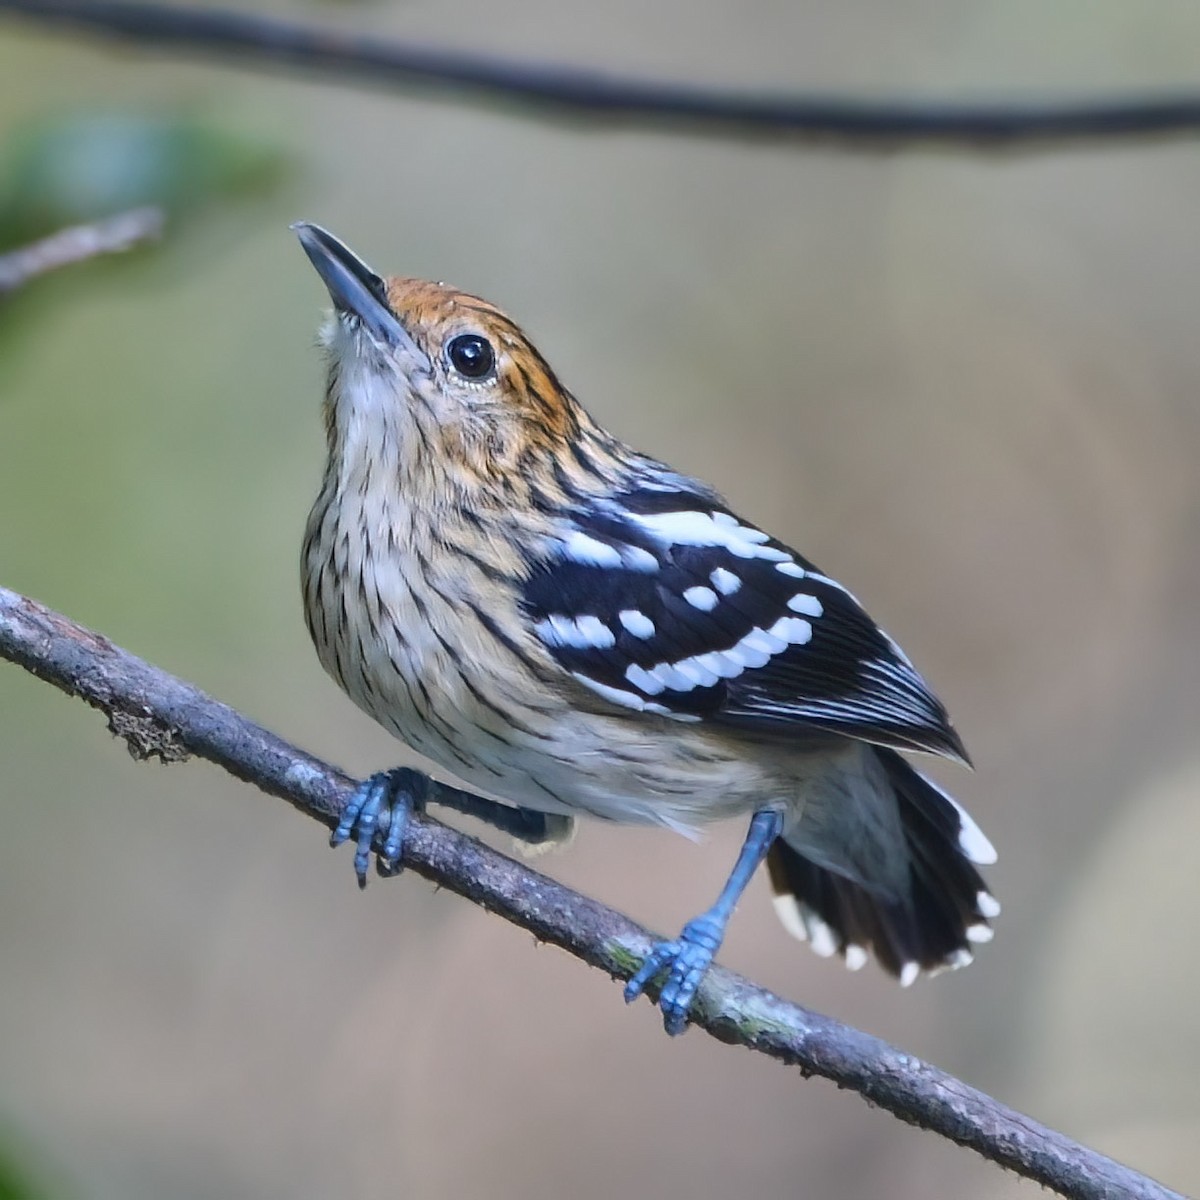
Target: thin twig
<point>160,716</point>
<point>77,243</point>
<point>599,100</point>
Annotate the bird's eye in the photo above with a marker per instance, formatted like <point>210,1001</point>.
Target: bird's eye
<point>471,356</point>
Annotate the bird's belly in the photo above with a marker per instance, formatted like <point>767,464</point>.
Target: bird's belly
<point>554,758</point>
<point>511,739</point>
<point>585,766</point>
<point>430,672</point>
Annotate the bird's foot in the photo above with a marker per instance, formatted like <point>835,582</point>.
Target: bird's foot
<point>382,803</point>
<point>686,959</point>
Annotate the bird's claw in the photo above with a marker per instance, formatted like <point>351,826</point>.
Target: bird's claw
<point>383,802</point>
<point>685,959</point>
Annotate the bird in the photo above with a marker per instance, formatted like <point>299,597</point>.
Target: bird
<point>574,628</point>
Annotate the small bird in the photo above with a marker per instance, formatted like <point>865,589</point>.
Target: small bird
<point>573,627</point>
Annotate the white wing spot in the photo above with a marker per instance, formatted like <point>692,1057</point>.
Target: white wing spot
<point>611,694</point>
<point>582,633</point>
<point>795,570</point>
<point>641,678</point>
<point>909,973</point>
<point>726,582</point>
<point>761,640</point>
<point>637,623</point>
<point>747,655</point>
<point>672,675</point>
<point>792,630</point>
<point>591,552</point>
<point>980,933</point>
<point>693,528</point>
<point>987,905</point>
<point>755,649</point>
<point>637,559</point>
<point>700,675</point>
<point>595,632</point>
<point>703,598</point>
<point>720,664</point>
<point>810,606</point>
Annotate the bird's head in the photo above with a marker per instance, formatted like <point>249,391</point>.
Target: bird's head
<point>434,374</point>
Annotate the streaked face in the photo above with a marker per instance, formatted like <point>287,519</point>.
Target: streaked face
<point>427,346</point>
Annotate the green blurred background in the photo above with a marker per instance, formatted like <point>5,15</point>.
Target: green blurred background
<point>966,386</point>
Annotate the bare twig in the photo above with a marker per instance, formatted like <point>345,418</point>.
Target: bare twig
<point>597,99</point>
<point>161,716</point>
<point>77,243</point>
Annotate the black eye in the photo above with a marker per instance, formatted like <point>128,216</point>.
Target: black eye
<point>471,356</point>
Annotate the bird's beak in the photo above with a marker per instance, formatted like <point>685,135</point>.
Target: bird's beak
<point>354,288</point>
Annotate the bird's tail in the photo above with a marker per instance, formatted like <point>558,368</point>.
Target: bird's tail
<point>948,908</point>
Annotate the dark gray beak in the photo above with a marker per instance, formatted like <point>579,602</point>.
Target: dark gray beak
<point>353,287</point>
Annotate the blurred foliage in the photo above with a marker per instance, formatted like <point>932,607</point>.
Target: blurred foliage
<point>68,169</point>
<point>15,1182</point>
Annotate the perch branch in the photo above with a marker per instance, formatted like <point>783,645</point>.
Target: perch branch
<point>160,716</point>
<point>78,243</point>
<point>598,99</point>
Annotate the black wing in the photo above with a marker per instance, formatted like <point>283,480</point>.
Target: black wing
<point>665,602</point>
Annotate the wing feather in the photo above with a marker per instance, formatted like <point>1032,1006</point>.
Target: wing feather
<point>666,602</point>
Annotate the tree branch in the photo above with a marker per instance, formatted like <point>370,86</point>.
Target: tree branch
<point>160,716</point>
<point>547,91</point>
<point>77,243</point>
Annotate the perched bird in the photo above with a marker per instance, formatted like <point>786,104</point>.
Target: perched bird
<point>573,627</point>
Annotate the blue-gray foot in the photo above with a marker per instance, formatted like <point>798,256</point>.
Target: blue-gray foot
<point>685,959</point>
<point>382,803</point>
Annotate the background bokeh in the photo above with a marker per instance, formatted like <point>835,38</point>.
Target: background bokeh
<point>966,386</point>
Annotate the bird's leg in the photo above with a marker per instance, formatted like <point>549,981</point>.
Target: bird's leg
<point>691,954</point>
<point>384,802</point>
<point>525,824</point>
